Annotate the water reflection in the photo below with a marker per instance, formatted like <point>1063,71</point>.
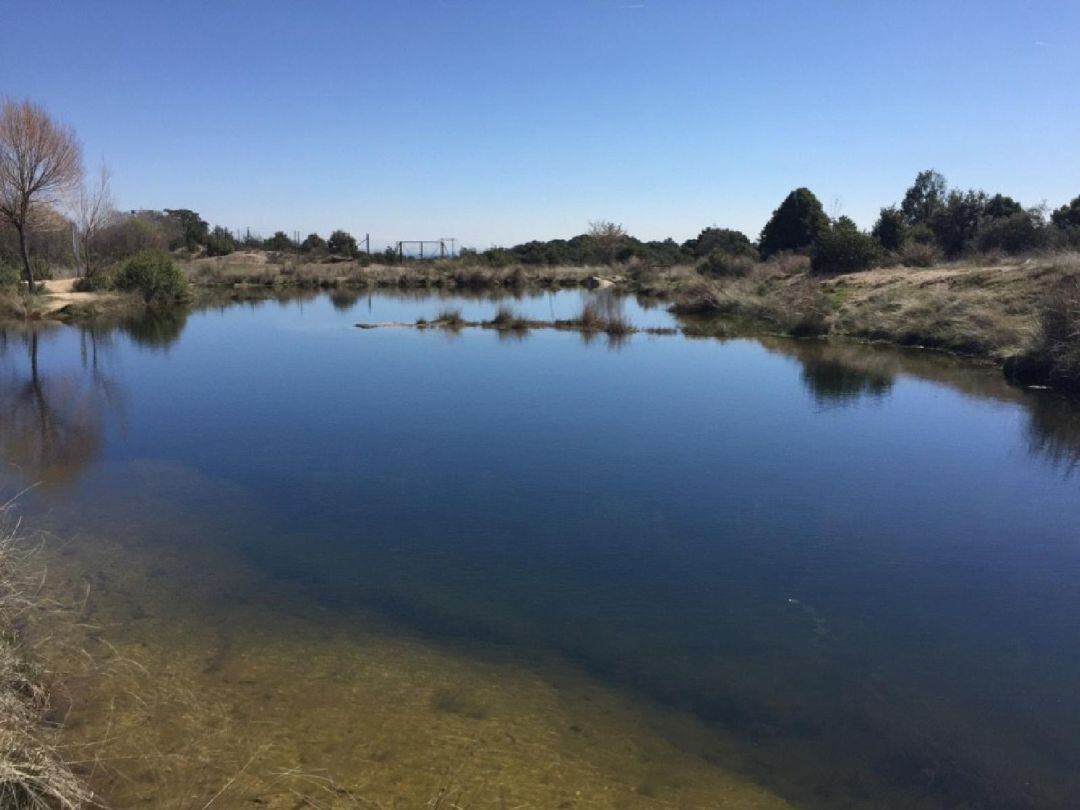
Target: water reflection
<point>154,329</point>
<point>834,382</point>
<point>841,374</point>
<point>1053,429</point>
<point>52,423</point>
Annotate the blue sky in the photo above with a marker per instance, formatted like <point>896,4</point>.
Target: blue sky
<point>497,122</point>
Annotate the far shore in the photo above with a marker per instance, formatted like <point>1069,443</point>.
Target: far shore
<point>987,310</point>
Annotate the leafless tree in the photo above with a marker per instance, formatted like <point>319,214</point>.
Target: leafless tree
<point>608,235</point>
<point>94,212</point>
<point>40,166</point>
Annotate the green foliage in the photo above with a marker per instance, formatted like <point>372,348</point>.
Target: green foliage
<point>721,263</point>
<point>342,243</point>
<point>890,230</point>
<point>999,206</point>
<point>192,230</point>
<point>1019,232</point>
<point>313,244</point>
<point>10,275</point>
<point>98,281</point>
<point>280,242</point>
<point>42,268</point>
<point>153,275</point>
<point>1068,216</point>
<point>957,222</point>
<point>921,234</point>
<point>925,198</point>
<point>843,249</point>
<point>725,240</point>
<point>220,242</point>
<point>795,225</point>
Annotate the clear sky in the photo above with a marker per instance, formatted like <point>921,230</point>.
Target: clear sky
<point>497,121</point>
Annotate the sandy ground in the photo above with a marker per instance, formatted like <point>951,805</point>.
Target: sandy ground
<point>61,293</point>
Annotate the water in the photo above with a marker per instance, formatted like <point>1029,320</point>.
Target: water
<point>547,571</point>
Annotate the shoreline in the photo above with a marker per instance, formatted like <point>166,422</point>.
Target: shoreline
<point>986,312</point>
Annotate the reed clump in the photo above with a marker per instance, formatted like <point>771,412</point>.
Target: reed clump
<point>33,774</point>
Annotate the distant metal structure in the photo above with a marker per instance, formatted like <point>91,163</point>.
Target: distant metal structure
<point>438,248</point>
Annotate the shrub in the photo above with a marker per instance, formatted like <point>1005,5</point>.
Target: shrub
<point>42,268</point>
<point>890,230</point>
<point>722,263</point>
<point>795,225</point>
<point>220,242</point>
<point>9,275</point>
<point>1016,233</point>
<point>153,275</point>
<point>919,254</point>
<point>843,249</point>
<point>279,242</point>
<point>96,282</point>
<point>1055,355</point>
<point>313,244</point>
<point>724,240</point>
<point>1068,216</point>
<point>999,206</point>
<point>342,243</point>
<point>956,223</point>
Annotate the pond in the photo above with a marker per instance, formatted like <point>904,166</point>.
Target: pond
<point>392,567</point>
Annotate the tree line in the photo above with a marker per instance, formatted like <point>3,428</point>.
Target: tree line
<point>49,215</point>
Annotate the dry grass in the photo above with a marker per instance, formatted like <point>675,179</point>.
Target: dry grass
<point>988,310</point>
<point>32,772</point>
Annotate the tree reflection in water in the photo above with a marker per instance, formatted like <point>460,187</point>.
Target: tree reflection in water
<point>51,424</point>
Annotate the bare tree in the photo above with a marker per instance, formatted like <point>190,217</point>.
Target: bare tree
<point>93,212</point>
<point>608,235</point>
<point>40,165</point>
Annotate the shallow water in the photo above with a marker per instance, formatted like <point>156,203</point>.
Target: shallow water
<point>376,568</point>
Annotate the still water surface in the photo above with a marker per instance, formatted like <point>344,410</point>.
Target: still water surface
<point>544,571</point>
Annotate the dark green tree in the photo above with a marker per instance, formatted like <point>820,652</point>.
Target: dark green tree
<point>843,248</point>
<point>1019,232</point>
<point>925,198</point>
<point>220,242</point>
<point>342,243</point>
<point>280,242</point>
<point>795,225</point>
<point>1068,216</point>
<point>890,230</point>
<point>1000,206</point>
<point>733,243</point>
<point>957,221</point>
<point>314,244</point>
<point>191,230</point>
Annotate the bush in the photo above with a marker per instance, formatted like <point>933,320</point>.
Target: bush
<point>722,263</point>
<point>1068,216</point>
<point>843,249</point>
<point>1055,355</point>
<point>10,276</point>
<point>724,240</point>
<point>153,275</point>
<point>957,222</point>
<point>919,254</point>
<point>220,242</point>
<point>1015,233</point>
<point>42,269</point>
<point>795,225</point>
<point>96,282</point>
<point>279,242</point>
<point>342,243</point>
<point>890,230</point>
